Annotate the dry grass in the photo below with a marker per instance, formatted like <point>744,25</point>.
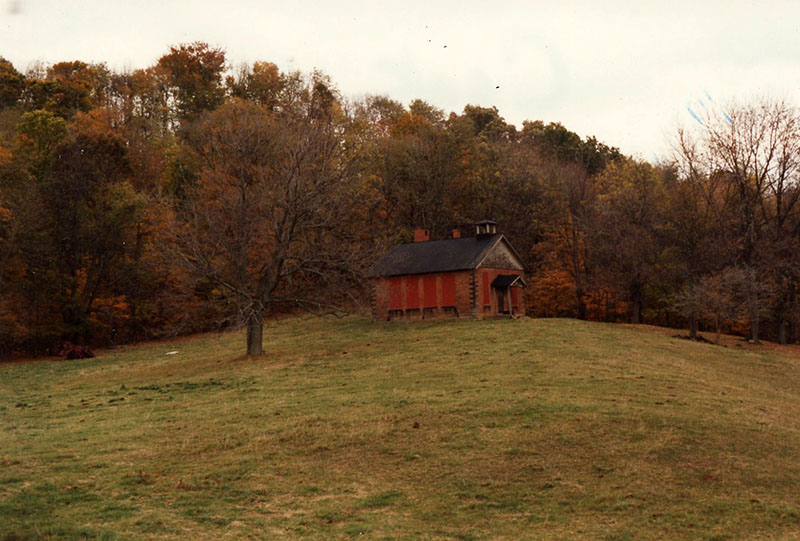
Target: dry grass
<point>450,430</point>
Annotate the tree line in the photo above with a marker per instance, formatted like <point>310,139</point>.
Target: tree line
<point>194,195</point>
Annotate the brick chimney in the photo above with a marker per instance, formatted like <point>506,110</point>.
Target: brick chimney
<point>456,233</point>
<point>421,235</point>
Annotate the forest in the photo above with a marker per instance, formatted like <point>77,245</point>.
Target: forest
<point>196,195</point>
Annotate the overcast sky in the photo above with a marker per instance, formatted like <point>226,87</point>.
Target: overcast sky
<point>623,71</point>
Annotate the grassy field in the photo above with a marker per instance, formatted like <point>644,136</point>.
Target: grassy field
<point>527,429</point>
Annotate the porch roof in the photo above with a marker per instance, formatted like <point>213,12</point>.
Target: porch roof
<point>508,280</point>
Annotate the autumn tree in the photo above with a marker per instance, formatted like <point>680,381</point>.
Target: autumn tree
<point>378,114</point>
<point>260,83</point>
<point>727,293</point>
<point>73,220</point>
<point>9,224</point>
<point>414,173</point>
<point>480,136</point>
<point>93,208</point>
<point>555,141</point>
<point>434,115</point>
<point>23,173</point>
<point>751,155</point>
<point>696,236</point>
<point>567,234</point>
<point>486,123</point>
<point>274,194</point>
<point>12,84</point>
<point>269,210</point>
<point>67,88</point>
<point>625,229</point>
<point>193,76</point>
<point>520,197</point>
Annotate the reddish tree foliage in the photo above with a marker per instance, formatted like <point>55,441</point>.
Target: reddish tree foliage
<point>274,189</point>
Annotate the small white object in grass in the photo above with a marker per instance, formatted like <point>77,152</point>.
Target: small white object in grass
<point>172,352</point>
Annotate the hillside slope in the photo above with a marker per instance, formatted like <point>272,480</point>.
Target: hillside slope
<point>449,430</point>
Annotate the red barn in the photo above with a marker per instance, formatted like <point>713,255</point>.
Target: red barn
<point>480,276</point>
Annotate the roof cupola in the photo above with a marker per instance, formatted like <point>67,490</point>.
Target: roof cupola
<point>485,227</point>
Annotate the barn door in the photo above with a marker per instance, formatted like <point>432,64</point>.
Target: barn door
<point>501,299</point>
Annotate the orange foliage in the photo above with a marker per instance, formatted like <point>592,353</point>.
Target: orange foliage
<point>551,294</point>
<point>5,157</point>
<point>410,124</point>
<point>111,305</point>
<point>96,123</point>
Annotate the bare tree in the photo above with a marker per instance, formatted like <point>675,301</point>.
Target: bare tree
<point>746,158</point>
<point>717,296</point>
<point>689,302</point>
<point>269,218</point>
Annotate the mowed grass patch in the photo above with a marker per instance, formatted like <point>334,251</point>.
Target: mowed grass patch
<point>445,430</point>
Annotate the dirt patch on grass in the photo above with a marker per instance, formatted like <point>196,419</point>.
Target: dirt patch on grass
<point>697,338</point>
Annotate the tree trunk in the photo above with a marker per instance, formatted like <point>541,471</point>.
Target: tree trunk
<point>719,329</point>
<point>580,302</point>
<point>255,331</point>
<point>754,330</point>
<point>636,305</point>
<point>782,331</point>
<point>693,326</point>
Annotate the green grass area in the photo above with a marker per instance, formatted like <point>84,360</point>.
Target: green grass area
<point>507,429</point>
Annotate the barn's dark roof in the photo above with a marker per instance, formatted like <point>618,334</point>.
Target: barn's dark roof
<point>434,256</point>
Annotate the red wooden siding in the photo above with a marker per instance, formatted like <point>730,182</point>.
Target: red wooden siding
<point>406,296</point>
<point>412,291</point>
<point>429,291</point>
<point>395,294</point>
<point>448,290</point>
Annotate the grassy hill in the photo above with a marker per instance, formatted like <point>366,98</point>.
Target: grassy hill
<point>452,430</point>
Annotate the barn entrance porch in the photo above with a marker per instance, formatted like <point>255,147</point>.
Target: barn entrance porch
<point>507,289</point>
